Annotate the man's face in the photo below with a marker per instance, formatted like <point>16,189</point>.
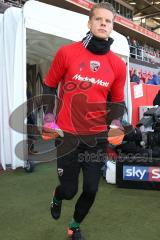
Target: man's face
<point>101,23</point>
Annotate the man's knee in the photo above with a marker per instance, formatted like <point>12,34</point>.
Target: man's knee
<point>90,190</point>
<point>70,192</point>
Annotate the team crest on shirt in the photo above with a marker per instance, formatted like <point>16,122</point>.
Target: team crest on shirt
<point>94,65</point>
<point>60,171</point>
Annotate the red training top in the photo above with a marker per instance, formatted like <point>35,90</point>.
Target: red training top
<point>85,79</point>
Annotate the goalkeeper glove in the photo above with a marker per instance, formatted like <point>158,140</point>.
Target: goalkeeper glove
<point>50,129</point>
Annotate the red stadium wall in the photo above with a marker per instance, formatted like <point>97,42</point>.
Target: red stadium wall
<point>149,92</point>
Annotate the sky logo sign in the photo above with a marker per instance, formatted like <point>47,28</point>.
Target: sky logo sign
<point>135,173</point>
<point>154,174</point>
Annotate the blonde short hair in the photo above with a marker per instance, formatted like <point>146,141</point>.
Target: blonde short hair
<point>104,5</point>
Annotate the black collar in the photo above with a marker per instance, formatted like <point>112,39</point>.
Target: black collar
<point>97,45</point>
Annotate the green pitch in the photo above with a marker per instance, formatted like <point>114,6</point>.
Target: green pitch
<point>118,214</point>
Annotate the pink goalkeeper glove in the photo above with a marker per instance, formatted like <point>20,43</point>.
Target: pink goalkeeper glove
<point>50,129</point>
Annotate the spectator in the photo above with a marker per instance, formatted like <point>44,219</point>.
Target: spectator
<point>139,51</point>
<point>129,40</point>
<point>155,79</point>
<point>133,49</point>
<point>135,77</point>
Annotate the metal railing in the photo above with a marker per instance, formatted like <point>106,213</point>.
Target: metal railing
<point>144,55</point>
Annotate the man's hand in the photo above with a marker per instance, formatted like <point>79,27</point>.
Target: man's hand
<point>115,136</point>
<point>50,129</point>
<point>115,133</point>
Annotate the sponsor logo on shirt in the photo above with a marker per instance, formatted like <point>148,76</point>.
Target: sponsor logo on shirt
<point>141,173</point>
<point>92,80</point>
<point>94,65</point>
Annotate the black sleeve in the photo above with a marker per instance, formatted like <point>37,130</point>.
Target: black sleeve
<point>49,96</point>
<point>115,110</point>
